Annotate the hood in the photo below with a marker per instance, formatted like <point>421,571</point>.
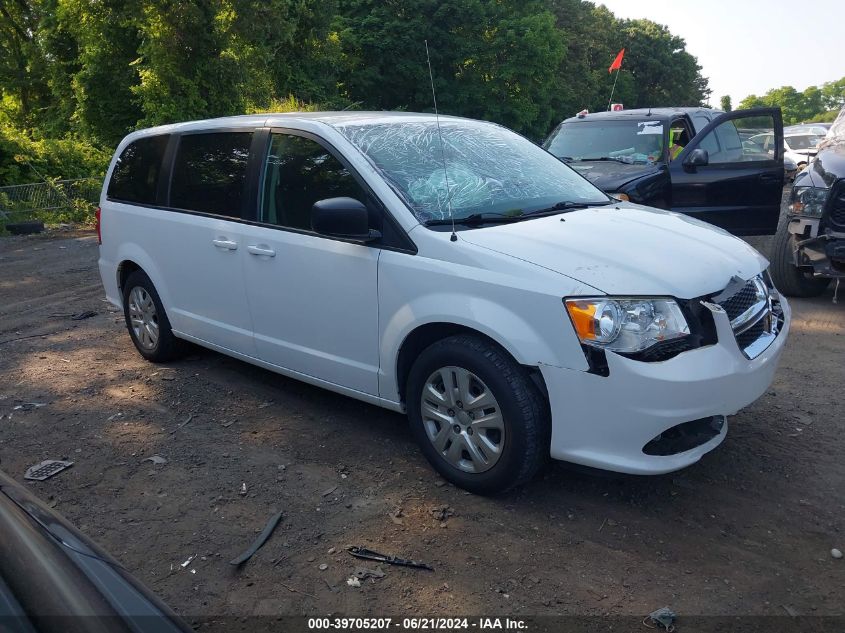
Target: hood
<point>828,167</point>
<point>611,175</point>
<point>628,249</point>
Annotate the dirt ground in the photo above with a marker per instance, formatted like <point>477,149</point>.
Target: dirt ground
<point>748,530</point>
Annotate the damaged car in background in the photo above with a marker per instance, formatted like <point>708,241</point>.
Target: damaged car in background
<point>809,248</point>
<point>694,161</point>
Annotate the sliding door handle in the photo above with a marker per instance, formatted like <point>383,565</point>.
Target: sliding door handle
<point>256,249</point>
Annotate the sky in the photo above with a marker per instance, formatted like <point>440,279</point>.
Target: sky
<point>751,46</point>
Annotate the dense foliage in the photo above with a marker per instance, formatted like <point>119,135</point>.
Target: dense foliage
<point>816,103</point>
<point>87,71</point>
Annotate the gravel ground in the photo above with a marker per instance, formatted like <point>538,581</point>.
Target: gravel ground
<point>748,530</point>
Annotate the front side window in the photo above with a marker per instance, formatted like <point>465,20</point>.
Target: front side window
<point>725,144</point>
<point>209,172</point>
<point>135,175</point>
<point>299,172</point>
<point>679,136</point>
<point>489,169</point>
<point>634,142</point>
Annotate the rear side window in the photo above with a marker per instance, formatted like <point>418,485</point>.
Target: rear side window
<point>209,173</point>
<point>135,176</point>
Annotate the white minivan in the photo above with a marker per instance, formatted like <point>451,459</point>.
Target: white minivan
<point>458,273</point>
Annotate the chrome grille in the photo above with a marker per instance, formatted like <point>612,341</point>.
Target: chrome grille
<point>741,301</point>
<point>754,314</point>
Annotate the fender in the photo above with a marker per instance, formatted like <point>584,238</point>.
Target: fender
<point>520,338</point>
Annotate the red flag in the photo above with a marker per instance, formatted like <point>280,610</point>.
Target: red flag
<point>617,63</point>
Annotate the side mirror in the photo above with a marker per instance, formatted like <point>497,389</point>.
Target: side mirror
<point>697,158</point>
<point>342,217</point>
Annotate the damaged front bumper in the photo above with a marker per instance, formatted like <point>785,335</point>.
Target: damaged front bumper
<point>652,418</point>
<point>821,250</point>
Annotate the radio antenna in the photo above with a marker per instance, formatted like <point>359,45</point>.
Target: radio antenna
<point>454,237</point>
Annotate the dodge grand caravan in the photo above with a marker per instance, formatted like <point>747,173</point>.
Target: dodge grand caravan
<point>462,275</point>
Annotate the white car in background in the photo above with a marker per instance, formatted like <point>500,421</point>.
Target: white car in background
<point>511,309</point>
<point>800,147</point>
<point>819,129</point>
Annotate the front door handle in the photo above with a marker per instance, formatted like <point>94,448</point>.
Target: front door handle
<point>256,249</point>
<point>770,178</point>
<point>228,245</point>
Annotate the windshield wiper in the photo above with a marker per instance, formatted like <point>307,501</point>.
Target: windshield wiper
<point>618,159</point>
<point>566,205</point>
<point>477,219</point>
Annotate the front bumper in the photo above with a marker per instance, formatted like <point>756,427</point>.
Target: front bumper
<point>823,251</point>
<point>605,422</point>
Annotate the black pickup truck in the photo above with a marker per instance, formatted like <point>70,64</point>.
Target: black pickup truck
<point>695,161</point>
<point>808,250</point>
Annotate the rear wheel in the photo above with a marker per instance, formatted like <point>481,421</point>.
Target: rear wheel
<point>478,417</point>
<point>147,321</point>
<point>790,279</point>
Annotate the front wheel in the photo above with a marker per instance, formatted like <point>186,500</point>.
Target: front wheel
<point>789,278</point>
<point>478,417</point>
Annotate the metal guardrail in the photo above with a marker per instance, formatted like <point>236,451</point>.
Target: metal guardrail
<point>53,195</point>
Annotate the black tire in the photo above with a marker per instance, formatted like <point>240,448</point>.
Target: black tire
<point>167,347</point>
<point>790,279</point>
<point>29,227</point>
<point>524,411</point>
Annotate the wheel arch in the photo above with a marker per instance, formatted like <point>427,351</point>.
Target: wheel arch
<point>132,257</point>
<point>124,269</point>
<point>427,334</point>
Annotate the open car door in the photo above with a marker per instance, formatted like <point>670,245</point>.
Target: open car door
<point>725,176</point>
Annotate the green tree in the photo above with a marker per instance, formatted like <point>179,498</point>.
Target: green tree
<point>656,69</point>
<point>205,58</point>
<point>833,94</point>
<point>725,103</point>
<point>490,59</point>
<point>106,36</point>
<point>801,106</point>
<point>23,65</point>
<point>89,71</point>
<point>751,101</point>
<point>664,73</point>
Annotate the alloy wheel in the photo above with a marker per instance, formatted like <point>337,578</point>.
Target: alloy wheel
<point>143,317</point>
<point>462,419</point>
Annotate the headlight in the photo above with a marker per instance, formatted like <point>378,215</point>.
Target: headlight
<point>624,197</point>
<point>808,201</point>
<point>626,325</point>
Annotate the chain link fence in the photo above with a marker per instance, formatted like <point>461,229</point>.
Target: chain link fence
<point>53,201</point>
